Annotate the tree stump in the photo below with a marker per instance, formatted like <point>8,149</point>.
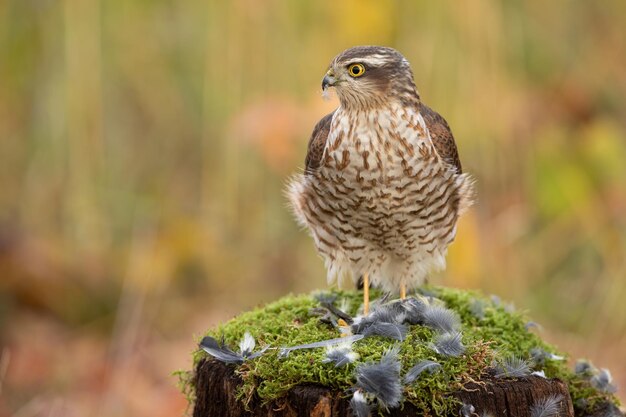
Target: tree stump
<point>216,386</point>
<point>295,321</point>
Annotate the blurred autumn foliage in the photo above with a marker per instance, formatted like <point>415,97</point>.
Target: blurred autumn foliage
<point>144,148</point>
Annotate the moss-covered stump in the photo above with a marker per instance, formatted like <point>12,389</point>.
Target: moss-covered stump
<point>217,384</point>
<point>492,373</point>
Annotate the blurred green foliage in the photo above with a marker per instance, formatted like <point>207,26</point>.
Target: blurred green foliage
<point>144,148</point>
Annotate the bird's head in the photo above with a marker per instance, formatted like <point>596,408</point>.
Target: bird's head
<point>370,76</point>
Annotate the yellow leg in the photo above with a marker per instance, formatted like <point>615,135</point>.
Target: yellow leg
<point>402,290</point>
<point>366,293</point>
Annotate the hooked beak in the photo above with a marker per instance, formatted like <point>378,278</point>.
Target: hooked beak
<point>328,81</point>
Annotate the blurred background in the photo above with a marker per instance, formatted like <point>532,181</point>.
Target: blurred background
<point>145,146</point>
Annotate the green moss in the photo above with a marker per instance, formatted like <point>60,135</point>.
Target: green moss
<point>287,322</point>
<point>185,385</point>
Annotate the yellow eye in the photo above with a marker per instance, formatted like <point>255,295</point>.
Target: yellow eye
<point>356,70</point>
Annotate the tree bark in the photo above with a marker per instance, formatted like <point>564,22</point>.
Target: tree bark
<point>216,386</point>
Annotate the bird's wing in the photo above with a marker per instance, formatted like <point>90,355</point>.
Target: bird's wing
<point>317,142</point>
<point>441,136</point>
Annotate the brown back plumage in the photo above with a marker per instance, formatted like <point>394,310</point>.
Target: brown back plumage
<point>441,136</point>
<point>316,144</point>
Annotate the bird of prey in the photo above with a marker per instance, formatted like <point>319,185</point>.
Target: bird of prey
<point>382,187</point>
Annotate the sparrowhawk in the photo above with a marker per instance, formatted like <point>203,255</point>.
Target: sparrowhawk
<point>382,187</point>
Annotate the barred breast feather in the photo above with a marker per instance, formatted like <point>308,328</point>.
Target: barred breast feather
<point>381,193</point>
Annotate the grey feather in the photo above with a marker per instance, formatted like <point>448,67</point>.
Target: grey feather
<point>610,410</point>
<point>547,407</point>
<point>386,320</point>
<point>221,353</point>
<point>338,312</point>
<point>382,379</point>
<point>441,319</point>
<point>390,330</point>
<point>388,313</point>
<point>257,354</point>
<point>477,308</point>
<point>325,316</point>
<point>359,405</point>
<point>415,371</point>
<point>448,344</point>
<point>531,324</point>
<point>602,382</point>
<point>340,355</point>
<point>540,356</point>
<point>467,410</point>
<point>584,368</point>
<point>325,297</point>
<point>512,367</point>
<point>414,310</point>
<point>224,354</point>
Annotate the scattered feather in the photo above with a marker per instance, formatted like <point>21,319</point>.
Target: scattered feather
<point>531,324</point>
<point>584,368</point>
<point>448,344</point>
<point>413,310</point>
<point>467,410</point>
<point>415,371</point>
<point>477,308</point>
<point>512,367</point>
<point>496,300</point>
<point>441,319</point>
<point>325,297</point>
<point>382,379</point>
<point>221,353</point>
<point>224,354</point>
<point>285,351</point>
<point>602,381</point>
<point>390,330</point>
<point>509,307</point>
<point>324,315</point>
<point>547,407</point>
<point>247,344</point>
<point>539,356</point>
<point>318,311</point>
<point>340,355</point>
<point>610,410</point>
<point>337,312</point>
<point>388,313</point>
<point>359,405</point>
<point>582,403</point>
<point>541,374</point>
<point>385,320</point>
